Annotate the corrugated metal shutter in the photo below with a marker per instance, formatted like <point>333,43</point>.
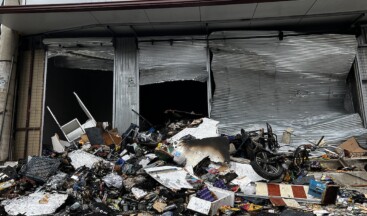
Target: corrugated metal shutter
<point>180,60</point>
<point>296,82</point>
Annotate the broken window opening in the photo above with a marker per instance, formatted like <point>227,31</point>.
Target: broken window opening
<point>94,87</point>
<point>162,102</point>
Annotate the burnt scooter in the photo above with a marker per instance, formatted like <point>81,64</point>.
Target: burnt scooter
<point>261,148</point>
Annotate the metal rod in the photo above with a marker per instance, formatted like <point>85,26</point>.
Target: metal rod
<point>145,120</point>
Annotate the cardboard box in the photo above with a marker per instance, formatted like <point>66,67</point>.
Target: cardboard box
<point>327,193</point>
<point>211,208</point>
<point>352,149</point>
<point>316,189</point>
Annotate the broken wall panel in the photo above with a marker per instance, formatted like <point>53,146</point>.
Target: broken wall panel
<point>32,132</point>
<point>81,53</point>
<point>181,59</point>
<point>126,84</point>
<point>296,82</point>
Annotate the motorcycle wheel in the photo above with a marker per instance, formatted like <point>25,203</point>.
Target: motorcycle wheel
<point>264,168</point>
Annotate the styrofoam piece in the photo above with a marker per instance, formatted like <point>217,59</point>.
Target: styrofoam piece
<point>210,208</point>
<point>31,205</point>
<point>113,180</point>
<point>170,176</point>
<point>245,185</point>
<point>56,144</point>
<point>243,170</point>
<point>138,193</point>
<point>126,157</point>
<point>208,128</point>
<point>10,163</point>
<point>81,158</point>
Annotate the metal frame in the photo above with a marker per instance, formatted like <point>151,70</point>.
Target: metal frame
<point>359,85</point>
<point>77,129</point>
<point>43,101</point>
<point>209,82</point>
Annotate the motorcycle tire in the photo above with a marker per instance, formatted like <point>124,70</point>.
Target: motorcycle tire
<point>268,171</point>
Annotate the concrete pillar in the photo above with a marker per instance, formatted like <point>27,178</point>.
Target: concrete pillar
<point>126,84</point>
<point>8,59</point>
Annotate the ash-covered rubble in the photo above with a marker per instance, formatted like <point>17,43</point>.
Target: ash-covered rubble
<point>183,168</point>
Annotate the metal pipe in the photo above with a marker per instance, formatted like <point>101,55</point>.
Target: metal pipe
<point>29,100</point>
<point>43,100</point>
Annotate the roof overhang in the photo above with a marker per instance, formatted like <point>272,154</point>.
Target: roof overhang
<point>167,17</point>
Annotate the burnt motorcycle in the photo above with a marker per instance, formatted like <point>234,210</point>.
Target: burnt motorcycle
<point>261,147</point>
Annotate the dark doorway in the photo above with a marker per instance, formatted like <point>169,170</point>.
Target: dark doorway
<point>187,96</point>
<point>94,87</point>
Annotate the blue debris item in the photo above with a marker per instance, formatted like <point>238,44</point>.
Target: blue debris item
<point>220,184</point>
<point>206,194</point>
<point>151,130</point>
<point>169,213</point>
<point>230,138</point>
<point>316,189</point>
<point>120,161</point>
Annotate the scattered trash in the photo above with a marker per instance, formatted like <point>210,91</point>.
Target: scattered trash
<point>327,193</point>
<point>352,148</point>
<point>170,176</point>
<point>210,202</point>
<point>6,184</point>
<point>113,180</point>
<point>38,203</point>
<point>287,136</point>
<point>159,206</point>
<point>182,168</point>
<point>59,145</point>
<point>138,193</point>
<point>81,158</point>
<point>208,128</point>
<point>40,168</point>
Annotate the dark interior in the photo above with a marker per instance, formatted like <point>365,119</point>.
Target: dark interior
<point>94,88</point>
<point>188,96</point>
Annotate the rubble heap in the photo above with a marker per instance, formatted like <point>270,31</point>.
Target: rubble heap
<point>183,168</point>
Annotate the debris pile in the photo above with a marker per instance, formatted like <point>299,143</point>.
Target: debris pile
<point>183,168</point>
